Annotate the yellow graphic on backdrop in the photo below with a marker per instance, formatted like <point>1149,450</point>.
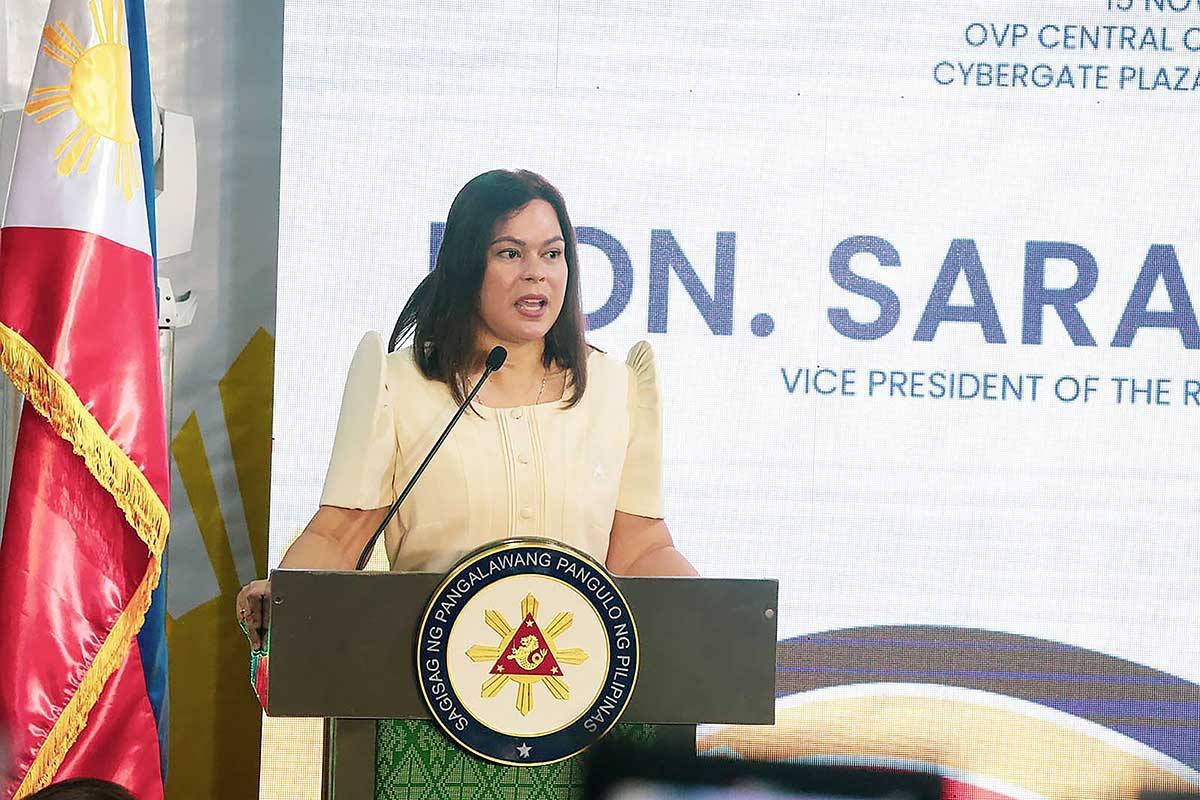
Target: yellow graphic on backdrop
<point>214,741</point>
<point>97,90</point>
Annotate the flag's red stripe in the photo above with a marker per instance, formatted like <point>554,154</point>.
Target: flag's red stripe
<point>86,304</point>
<point>121,739</point>
<point>69,563</point>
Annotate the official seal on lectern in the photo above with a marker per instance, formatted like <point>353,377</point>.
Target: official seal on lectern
<point>527,652</point>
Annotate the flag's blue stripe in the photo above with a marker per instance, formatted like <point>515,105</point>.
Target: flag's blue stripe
<point>143,107</point>
<point>152,640</point>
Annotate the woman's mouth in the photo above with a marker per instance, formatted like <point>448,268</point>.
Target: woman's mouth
<point>532,306</point>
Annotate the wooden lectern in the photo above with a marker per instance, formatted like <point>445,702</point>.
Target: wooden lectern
<point>342,647</point>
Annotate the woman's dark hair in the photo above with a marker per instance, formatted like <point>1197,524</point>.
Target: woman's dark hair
<point>442,314</point>
<point>83,789</point>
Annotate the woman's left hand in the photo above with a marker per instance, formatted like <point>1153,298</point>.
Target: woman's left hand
<point>643,546</point>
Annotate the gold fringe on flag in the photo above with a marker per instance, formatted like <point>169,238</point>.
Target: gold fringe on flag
<point>55,399</point>
<point>73,719</point>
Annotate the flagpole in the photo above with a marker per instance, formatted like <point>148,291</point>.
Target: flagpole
<point>10,398</point>
<point>166,346</point>
<point>10,418</point>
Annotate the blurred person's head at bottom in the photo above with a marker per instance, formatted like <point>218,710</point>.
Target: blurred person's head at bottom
<point>83,789</point>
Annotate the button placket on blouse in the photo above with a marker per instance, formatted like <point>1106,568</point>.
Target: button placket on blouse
<point>525,477</point>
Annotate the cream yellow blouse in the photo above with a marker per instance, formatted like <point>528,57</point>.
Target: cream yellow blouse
<point>538,470</point>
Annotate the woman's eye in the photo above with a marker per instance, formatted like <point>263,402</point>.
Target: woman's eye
<point>553,254</point>
<point>509,252</point>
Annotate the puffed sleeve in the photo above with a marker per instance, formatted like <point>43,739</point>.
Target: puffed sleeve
<point>641,477</point>
<point>365,448</point>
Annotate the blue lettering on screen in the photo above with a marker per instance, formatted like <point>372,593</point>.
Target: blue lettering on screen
<point>961,259</point>
<point>622,275</point>
<point>1064,301</point>
<point>1191,392</point>
<point>437,230</point>
<point>1161,264</point>
<point>884,297</point>
<point>666,256</point>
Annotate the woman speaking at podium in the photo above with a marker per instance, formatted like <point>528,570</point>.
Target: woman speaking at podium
<point>562,441</point>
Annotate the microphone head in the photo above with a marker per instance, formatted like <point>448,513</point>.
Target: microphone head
<point>495,359</point>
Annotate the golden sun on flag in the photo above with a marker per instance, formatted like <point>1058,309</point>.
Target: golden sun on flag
<point>97,90</point>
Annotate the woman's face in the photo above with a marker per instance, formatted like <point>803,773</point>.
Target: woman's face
<point>526,276</point>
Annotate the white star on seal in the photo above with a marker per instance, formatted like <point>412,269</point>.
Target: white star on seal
<point>524,750</point>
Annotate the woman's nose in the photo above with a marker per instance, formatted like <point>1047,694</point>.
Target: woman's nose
<point>533,271</point>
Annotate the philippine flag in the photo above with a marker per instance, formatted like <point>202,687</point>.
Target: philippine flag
<point>82,660</point>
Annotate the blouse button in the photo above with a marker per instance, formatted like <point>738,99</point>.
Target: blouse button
<point>516,413</point>
<point>526,513</point>
<point>522,458</point>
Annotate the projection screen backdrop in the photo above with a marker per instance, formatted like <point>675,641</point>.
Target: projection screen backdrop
<point>919,277</point>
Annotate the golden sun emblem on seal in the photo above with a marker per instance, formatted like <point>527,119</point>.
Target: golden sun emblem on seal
<point>527,654</point>
<point>97,91</point>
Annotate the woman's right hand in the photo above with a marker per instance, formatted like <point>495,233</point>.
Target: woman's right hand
<point>254,611</point>
<point>332,539</point>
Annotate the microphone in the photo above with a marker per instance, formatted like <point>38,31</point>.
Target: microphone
<point>495,359</point>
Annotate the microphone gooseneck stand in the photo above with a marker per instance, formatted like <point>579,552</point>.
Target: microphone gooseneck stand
<point>495,360</point>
